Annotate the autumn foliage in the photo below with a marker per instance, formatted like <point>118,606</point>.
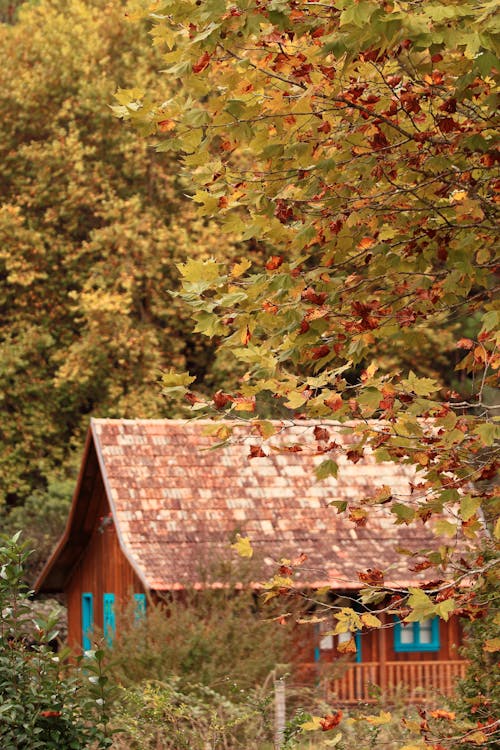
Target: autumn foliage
<point>355,142</point>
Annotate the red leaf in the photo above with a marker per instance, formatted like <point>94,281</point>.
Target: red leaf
<point>320,433</point>
<point>331,721</point>
<point>325,127</point>
<point>334,402</point>
<point>317,352</point>
<point>165,126</point>
<point>373,577</point>
<point>318,32</point>
<point>274,262</point>
<point>449,105</point>
<point>448,124</point>
<point>201,63</point>
<point>365,243</point>
<point>354,456</point>
<point>50,714</point>
<point>327,71</point>
<point>316,298</point>
<point>221,399</point>
<point>256,452</point>
<point>270,307</point>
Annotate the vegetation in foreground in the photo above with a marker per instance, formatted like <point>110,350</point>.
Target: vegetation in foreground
<point>201,678</point>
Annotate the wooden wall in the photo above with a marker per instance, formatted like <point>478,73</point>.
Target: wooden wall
<point>378,645</point>
<point>102,568</point>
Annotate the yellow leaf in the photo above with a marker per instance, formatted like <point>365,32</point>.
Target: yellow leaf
<point>334,741</point>
<point>445,528</point>
<point>239,268</point>
<point>492,644</point>
<point>497,528</point>
<point>312,725</point>
<point>371,621</point>
<point>458,196</point>
<point>479,738</point>
<point>242,546</point>
<point>384,717</point>
<point>349,647</point>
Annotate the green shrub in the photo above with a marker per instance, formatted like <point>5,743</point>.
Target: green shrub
<point>45,700</point>
<point>169,716</point>
<point>216,638</point>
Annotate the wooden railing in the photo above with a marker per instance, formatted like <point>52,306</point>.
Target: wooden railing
<point>416,681</point>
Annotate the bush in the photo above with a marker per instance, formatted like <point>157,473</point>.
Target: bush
<point>216,638</point>
<point>166,716</point>
<point>45,700</point>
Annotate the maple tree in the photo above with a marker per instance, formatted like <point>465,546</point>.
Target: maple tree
<point>355,140</point>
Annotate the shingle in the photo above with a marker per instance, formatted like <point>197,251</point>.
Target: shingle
<point>176,502</point>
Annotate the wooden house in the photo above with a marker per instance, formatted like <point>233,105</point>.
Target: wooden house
<point>153,503</point>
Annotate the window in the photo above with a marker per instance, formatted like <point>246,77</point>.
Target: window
<point>87,620</point>
<point>417,636</point>
<point>140,606</point>
<point>109,623</point>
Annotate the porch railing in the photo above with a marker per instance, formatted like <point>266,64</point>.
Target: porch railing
<point>416,681</point>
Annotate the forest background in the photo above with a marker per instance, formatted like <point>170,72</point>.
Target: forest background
<point>92,225</point>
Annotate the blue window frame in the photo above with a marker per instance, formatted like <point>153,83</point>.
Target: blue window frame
<point>140,607</point>
<point>417,636</point>
<point>359,654</point>
<point>87,620</point>
<point>109,621</point>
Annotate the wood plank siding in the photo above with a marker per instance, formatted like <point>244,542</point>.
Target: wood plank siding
<point>102,568</point>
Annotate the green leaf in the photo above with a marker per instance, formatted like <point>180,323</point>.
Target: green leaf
<point>469,507</point>
<point>488,432</point>
<point>420,386</point>
<point>445,608</point>
<point>445,528</point>
<point>326,469</point>
<point>422,605</point>
<point>404,513</point>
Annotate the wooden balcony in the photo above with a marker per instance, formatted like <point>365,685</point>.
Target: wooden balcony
<point>413,681</point>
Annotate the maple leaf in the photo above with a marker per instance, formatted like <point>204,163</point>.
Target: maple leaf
<point>316,298</point>
<point>242,546</point>
<point>202,63</point>
<point>334,402</point>
<point>274,262</point>
<point>166,126</point>
<point>372,577</point>
<point>330,721</point>
<point>317,352</point>
<point>321,434</point>
<point>441,713</point>
<point>256,451</point>
<point>221,399</point>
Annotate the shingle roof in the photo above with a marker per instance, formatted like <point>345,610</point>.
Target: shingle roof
<point>177,504</point>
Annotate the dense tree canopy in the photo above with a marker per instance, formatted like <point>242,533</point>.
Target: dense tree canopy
<point>356,140</point>
<point>92,224</point>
